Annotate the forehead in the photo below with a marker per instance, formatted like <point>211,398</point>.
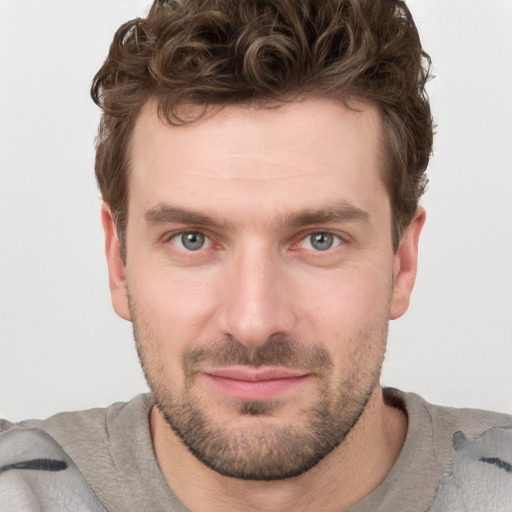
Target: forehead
<point>303,152</point>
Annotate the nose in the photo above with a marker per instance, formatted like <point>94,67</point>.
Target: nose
<point>256,300</point>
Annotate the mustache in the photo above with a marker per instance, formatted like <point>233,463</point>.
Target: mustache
<point>278,350</point>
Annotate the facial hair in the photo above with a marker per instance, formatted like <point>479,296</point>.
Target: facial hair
<point>260,448</point>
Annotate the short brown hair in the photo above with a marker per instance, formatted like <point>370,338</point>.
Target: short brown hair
<point>266,52</point>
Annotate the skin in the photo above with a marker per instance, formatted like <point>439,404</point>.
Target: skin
<point>260,183</point>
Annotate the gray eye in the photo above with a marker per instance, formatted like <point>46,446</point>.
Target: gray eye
<point>321,241</point>
<point>192,241</point>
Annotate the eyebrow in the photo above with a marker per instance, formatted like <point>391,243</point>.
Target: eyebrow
<point>166,214</point>
<point>337,212</point>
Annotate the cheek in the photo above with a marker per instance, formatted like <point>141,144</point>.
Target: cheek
<point>346,300</point>
<point>348,314</point>
<point>175,305</point>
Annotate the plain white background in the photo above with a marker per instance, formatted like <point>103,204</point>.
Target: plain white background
<point>61,345</point>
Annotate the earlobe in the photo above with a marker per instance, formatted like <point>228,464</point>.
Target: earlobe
<point>405,265</point>
<point>116,268</point>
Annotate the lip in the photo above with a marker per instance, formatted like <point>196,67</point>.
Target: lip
<point>255,383</point>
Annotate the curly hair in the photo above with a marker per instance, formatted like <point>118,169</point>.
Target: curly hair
<point>213,53</point>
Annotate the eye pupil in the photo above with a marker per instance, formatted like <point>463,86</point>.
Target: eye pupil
<point>322,241</point>
<point>192,241</point>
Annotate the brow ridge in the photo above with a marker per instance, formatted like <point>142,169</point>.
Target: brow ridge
<point>337,212</point>
<point>166,214</point>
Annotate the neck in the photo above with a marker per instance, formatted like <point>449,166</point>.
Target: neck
<point>343,478</point>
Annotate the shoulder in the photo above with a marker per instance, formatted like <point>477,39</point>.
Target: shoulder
<point>5,425</point>
<point>102,443</point>
<point>87,436</point>
<point>473,422</point>
<point>480,477</point>
<point>94,424</point>
<point>35,472</point>
<point>445,421</point>
<point>474,451</point>
<point>448,426</point>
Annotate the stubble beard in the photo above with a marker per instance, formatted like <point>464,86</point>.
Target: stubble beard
<point>260,448</point>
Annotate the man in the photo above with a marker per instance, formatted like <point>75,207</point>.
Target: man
<point>261,165</point>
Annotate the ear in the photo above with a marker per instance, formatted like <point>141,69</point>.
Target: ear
<point>405,265</point>
<point>116,269</point>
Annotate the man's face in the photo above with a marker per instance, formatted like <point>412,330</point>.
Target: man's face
<point>259,276</point>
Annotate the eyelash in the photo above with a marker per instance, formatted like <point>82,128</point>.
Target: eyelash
<point>177,236</point>
<point>337,241</point>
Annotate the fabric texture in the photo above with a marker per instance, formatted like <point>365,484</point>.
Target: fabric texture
<point>36,474</point>
<point>453,460</point>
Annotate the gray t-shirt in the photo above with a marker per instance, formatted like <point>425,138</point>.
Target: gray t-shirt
<point>452,459</point>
